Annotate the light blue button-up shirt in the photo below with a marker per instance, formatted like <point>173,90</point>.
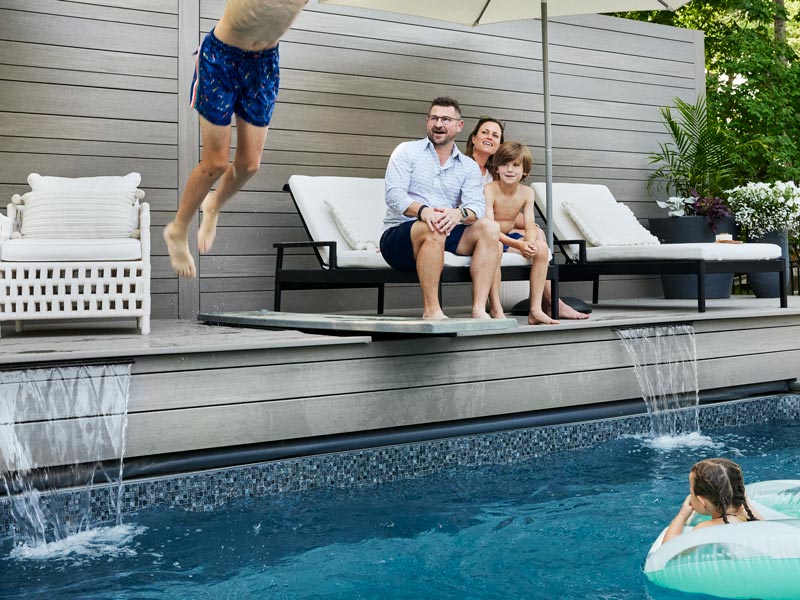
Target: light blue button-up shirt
<point>415,175</point>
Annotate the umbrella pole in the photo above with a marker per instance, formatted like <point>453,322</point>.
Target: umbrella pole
<point>548,141</point>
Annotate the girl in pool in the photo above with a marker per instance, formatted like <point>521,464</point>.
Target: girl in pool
<point>717,490</point>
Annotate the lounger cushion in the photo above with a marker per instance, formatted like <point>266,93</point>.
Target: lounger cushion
<point>81,215</point>
<point>699,251</point>
<point>126,184</point>
<point>371,259</point>
<point>607,223</point>
<point>65,250</point>
<point>359,218</point>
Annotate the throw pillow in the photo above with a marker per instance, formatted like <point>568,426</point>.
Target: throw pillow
<point>78,215</point>
<point>112,184</point>
<point>607,224</point>
<point>358,219</point>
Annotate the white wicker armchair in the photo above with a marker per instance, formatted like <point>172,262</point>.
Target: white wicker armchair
<point>74,278</point>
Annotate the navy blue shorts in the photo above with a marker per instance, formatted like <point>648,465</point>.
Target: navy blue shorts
<point>397,250</point>
<point>230,80</point>
<point>514,235</point>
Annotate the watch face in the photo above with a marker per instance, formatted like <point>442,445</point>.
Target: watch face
<point>464,212</point>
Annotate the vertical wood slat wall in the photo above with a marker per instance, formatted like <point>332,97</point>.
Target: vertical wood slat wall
<point>101,86</point>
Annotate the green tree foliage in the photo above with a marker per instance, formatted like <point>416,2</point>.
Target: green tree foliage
<point>752,80</point>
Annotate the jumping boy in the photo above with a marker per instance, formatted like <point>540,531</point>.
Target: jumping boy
<point>505,199</point>
<point>236,73</point>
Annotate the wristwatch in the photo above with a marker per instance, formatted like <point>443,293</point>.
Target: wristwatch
<point>464,214</point>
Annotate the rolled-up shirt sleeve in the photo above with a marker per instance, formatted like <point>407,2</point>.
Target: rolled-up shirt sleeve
<point>398,177</point>
<point>472,190</point>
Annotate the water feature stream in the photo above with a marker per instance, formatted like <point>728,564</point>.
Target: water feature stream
<point>61,415</point>
<point>665,364</point>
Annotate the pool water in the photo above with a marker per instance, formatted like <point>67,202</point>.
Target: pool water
<point>572,525</point>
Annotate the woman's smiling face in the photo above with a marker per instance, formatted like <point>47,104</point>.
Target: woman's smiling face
<point>488,138</point>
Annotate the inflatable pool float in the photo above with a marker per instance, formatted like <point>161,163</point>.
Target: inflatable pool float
<point>757,559</point>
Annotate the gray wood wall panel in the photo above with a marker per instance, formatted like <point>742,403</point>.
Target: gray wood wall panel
<point>92,86</point>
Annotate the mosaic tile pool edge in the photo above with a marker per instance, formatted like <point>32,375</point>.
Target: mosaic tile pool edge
<point>210,489</point>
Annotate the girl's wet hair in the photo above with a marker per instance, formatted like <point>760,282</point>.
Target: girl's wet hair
<point>512,151</point>
<point>721,482</point>
<point>481,122</point>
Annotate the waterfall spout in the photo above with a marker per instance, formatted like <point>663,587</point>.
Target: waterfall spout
<point>57,418</point>
<point>665,364</point>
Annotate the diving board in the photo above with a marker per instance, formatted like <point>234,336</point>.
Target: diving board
<point>374,324</point>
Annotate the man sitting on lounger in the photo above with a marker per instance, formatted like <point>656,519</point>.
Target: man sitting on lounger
<point>434,203</point>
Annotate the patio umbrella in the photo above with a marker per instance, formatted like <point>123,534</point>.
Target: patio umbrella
<point>481,12</point>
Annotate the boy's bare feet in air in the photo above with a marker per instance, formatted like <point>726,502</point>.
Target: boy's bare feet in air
<point>178,247</point>
<point>208,226</point>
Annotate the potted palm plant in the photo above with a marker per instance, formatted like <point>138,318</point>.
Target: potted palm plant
<point>767,212</point>
<point>693,166</point>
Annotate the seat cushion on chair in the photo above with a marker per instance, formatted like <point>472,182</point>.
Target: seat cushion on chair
<point>359,217</point>
<point>78,215</point>
<point>607,223</point>
<point>361,259</point>
<point>700,251</point>
<point>125,184</point>
<point>311,193</point>
<point>66,250</point>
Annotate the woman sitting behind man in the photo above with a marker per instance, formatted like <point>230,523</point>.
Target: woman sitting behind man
<point>716,489</point>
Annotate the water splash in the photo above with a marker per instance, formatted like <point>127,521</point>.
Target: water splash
<point>62,423</point>
<point>665,364</point>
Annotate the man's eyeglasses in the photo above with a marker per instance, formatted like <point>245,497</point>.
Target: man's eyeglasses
<point>443,120</point>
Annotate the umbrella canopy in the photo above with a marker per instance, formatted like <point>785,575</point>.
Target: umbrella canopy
<point>478,12</point>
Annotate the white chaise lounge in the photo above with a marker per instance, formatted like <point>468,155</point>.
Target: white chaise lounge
<point>606,239</point>
<point>344,219</point>
<point>76,249</point>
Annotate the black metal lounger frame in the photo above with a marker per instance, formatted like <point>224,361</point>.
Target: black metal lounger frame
<point>581,270</point>
<point>331,276</point>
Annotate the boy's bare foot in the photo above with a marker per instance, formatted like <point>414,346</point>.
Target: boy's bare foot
<point>179,256</point>
<point>208,227</point>
<point>480,314</point>
<point>497,314</point>
<point>536,317</point>
<point>565,311</point>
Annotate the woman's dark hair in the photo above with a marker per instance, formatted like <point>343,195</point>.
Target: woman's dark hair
<point>481,122</point>
<point>720,481</point>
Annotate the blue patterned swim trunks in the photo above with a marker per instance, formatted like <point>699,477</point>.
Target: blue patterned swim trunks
<point>230,80</point>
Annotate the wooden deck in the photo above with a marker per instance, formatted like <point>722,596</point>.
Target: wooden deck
<point>196,387</point>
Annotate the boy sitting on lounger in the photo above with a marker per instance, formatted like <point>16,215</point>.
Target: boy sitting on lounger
<point>505,199</point>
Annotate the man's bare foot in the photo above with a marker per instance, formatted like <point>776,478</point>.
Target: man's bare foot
<point>435,316</point>
<point>565,311</point>
<point>497,314</point>
<point>208,227</point>
<point>536,317</point>
<point>480,314</point>
<point>179,256</point>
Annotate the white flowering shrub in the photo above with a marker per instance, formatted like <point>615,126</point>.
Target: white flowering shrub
<point>763,207</point>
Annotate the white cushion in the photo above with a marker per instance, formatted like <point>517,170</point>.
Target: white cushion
<point>698,251</point>
<point>60,250</point>
<point>361,259</point>
<point>562,225</point>
<point>49,215</point>
<point>115,184</point>
<point>310,194</point>
<point>359,217</point>
<point>607,223</point>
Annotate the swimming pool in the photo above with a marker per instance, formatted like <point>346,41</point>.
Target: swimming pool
<point>566,525</point>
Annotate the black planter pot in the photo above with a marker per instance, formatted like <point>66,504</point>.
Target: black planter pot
<point>683,230</point>
<point>765,285</point>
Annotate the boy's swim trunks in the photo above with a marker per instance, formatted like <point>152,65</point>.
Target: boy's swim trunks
<point>230,80</point>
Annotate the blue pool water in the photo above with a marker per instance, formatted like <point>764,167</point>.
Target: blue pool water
<point>572,525</point>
